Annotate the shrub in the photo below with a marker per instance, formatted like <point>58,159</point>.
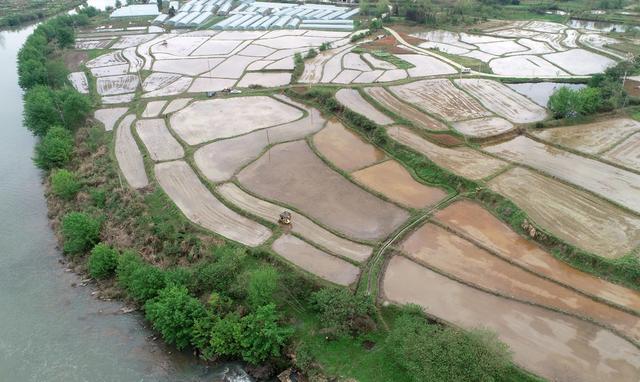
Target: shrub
<point>64,184</point>
<point>45,107</point>
<point>40,110</point>
<point>433,353</point>
<point>261,335</point>
<point>80,232</point>
<point>173,313</point>
<point>263,283</point>
<point>311,53</point>
<point>343,312</point>
<point>103,261</point>
<point>75,107</point>
<point>218,337</point>
<point>55,149</point>
<point>220,274</point>
<point>146,282</point>
<point>141,281</point>
<point>568,103</point>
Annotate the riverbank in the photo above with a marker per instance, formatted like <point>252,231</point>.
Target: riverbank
<point>55,332</point>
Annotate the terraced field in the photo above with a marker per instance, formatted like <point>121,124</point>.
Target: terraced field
<point>292,174</point>
<point>610,182</point>
<point>575,216</point>
<point>415,116</point>
<point>463,161</point>
<point>232,163</point>
<point>441,98</point>
<point>556,346</point>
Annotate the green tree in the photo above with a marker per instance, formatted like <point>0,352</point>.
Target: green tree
<point>433,353</point>
<point>174,313</point>
<point>342,311</point>
<point>55,149</point>
<point>80,231</point>
<point>75,107</point>
<point>568,103</point>
<point>41,110</point>
<point>218,337</point>
<point>102,261</point>
<point>64,184</point>
<point>57,73</point>
<point>145,282</point>
<point>262,335</point>
<point>263,283</point>
<point>32,72</point>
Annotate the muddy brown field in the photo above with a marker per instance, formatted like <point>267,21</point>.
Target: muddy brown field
<point>556,346</point>
<point>291,173</point>
<point>626,153</point>
<point>315,261</point>
<point>471,220</point>
<point>591,138</point>
<point>575,216</point>
<point>392,180</point>
<point>344,148</point>
<point>617,185</point>
<point>300,224</point>
<point>463,161</point>
<point>443,250</point>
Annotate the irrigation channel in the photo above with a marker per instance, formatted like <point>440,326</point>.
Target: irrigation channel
<point>51,330</point>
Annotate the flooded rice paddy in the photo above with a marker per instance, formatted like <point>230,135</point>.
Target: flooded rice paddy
<point>463,161</point>
<point>344,148</point>
<point>393,181</point>
<point>316,261</point>
<point>575,216</point>
<point>556,346</point>
<point>291,173</point>
<point>471,220</point>
<point>610,182</point>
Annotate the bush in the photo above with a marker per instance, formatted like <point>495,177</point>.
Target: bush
<point>55,149</point>
<point>433,353</point>
<point>102,261</point>
<point>568,103</point>
<point>343,312</point>
<point>311,53</point>
<point>45,107</point>
<point>145,283</point>
<point>80,231</point>
<point>218,337</point>
<point>255,337</point>
<point>40,110</point>
<point>220,274</point>
<point>263,283</point>
<point>261,335</point>
<point>64,184</point>
<point>173,313</point>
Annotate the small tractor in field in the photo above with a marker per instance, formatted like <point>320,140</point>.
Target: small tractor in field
<point>285,218</point>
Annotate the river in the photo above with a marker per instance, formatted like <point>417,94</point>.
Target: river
<point>51,331</point>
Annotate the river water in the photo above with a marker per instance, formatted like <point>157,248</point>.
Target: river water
<point>51,331</point>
